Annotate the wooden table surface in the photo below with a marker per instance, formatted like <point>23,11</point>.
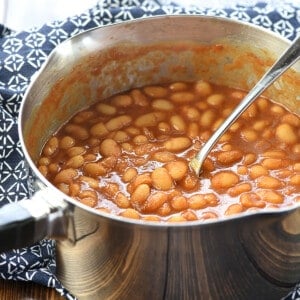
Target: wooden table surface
<point>12,290</point>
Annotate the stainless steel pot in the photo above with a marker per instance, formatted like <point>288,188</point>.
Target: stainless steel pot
<point>101,256</point>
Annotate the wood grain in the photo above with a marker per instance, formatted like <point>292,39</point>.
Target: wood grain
<point>12,290</point>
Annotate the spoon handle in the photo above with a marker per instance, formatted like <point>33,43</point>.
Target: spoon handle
<point>287,59</point>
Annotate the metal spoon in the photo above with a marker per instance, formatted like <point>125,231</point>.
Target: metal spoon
<point>286,60</point>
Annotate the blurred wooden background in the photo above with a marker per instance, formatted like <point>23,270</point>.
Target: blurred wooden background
<point>12,290</point>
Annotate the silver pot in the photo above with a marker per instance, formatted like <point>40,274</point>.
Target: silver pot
<point>101,256</point>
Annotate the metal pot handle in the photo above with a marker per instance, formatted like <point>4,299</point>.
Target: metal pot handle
<point>26,222</point>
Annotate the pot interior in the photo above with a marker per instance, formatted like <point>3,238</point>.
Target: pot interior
<point>105,61</point>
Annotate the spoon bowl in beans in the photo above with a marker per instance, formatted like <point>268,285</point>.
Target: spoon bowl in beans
<point>286,60</point>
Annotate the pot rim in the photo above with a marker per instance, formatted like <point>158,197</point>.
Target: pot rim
<point>113,217</point>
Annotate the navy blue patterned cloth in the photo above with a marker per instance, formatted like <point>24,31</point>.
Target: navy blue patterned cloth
<point>23,53</point>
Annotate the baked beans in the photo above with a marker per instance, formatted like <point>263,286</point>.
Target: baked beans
<point>129,155</point>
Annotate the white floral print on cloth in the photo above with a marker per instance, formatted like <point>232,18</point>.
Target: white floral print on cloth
<point>23,53</point>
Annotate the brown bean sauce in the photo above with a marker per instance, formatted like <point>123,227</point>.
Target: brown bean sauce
<point>129,155</point>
